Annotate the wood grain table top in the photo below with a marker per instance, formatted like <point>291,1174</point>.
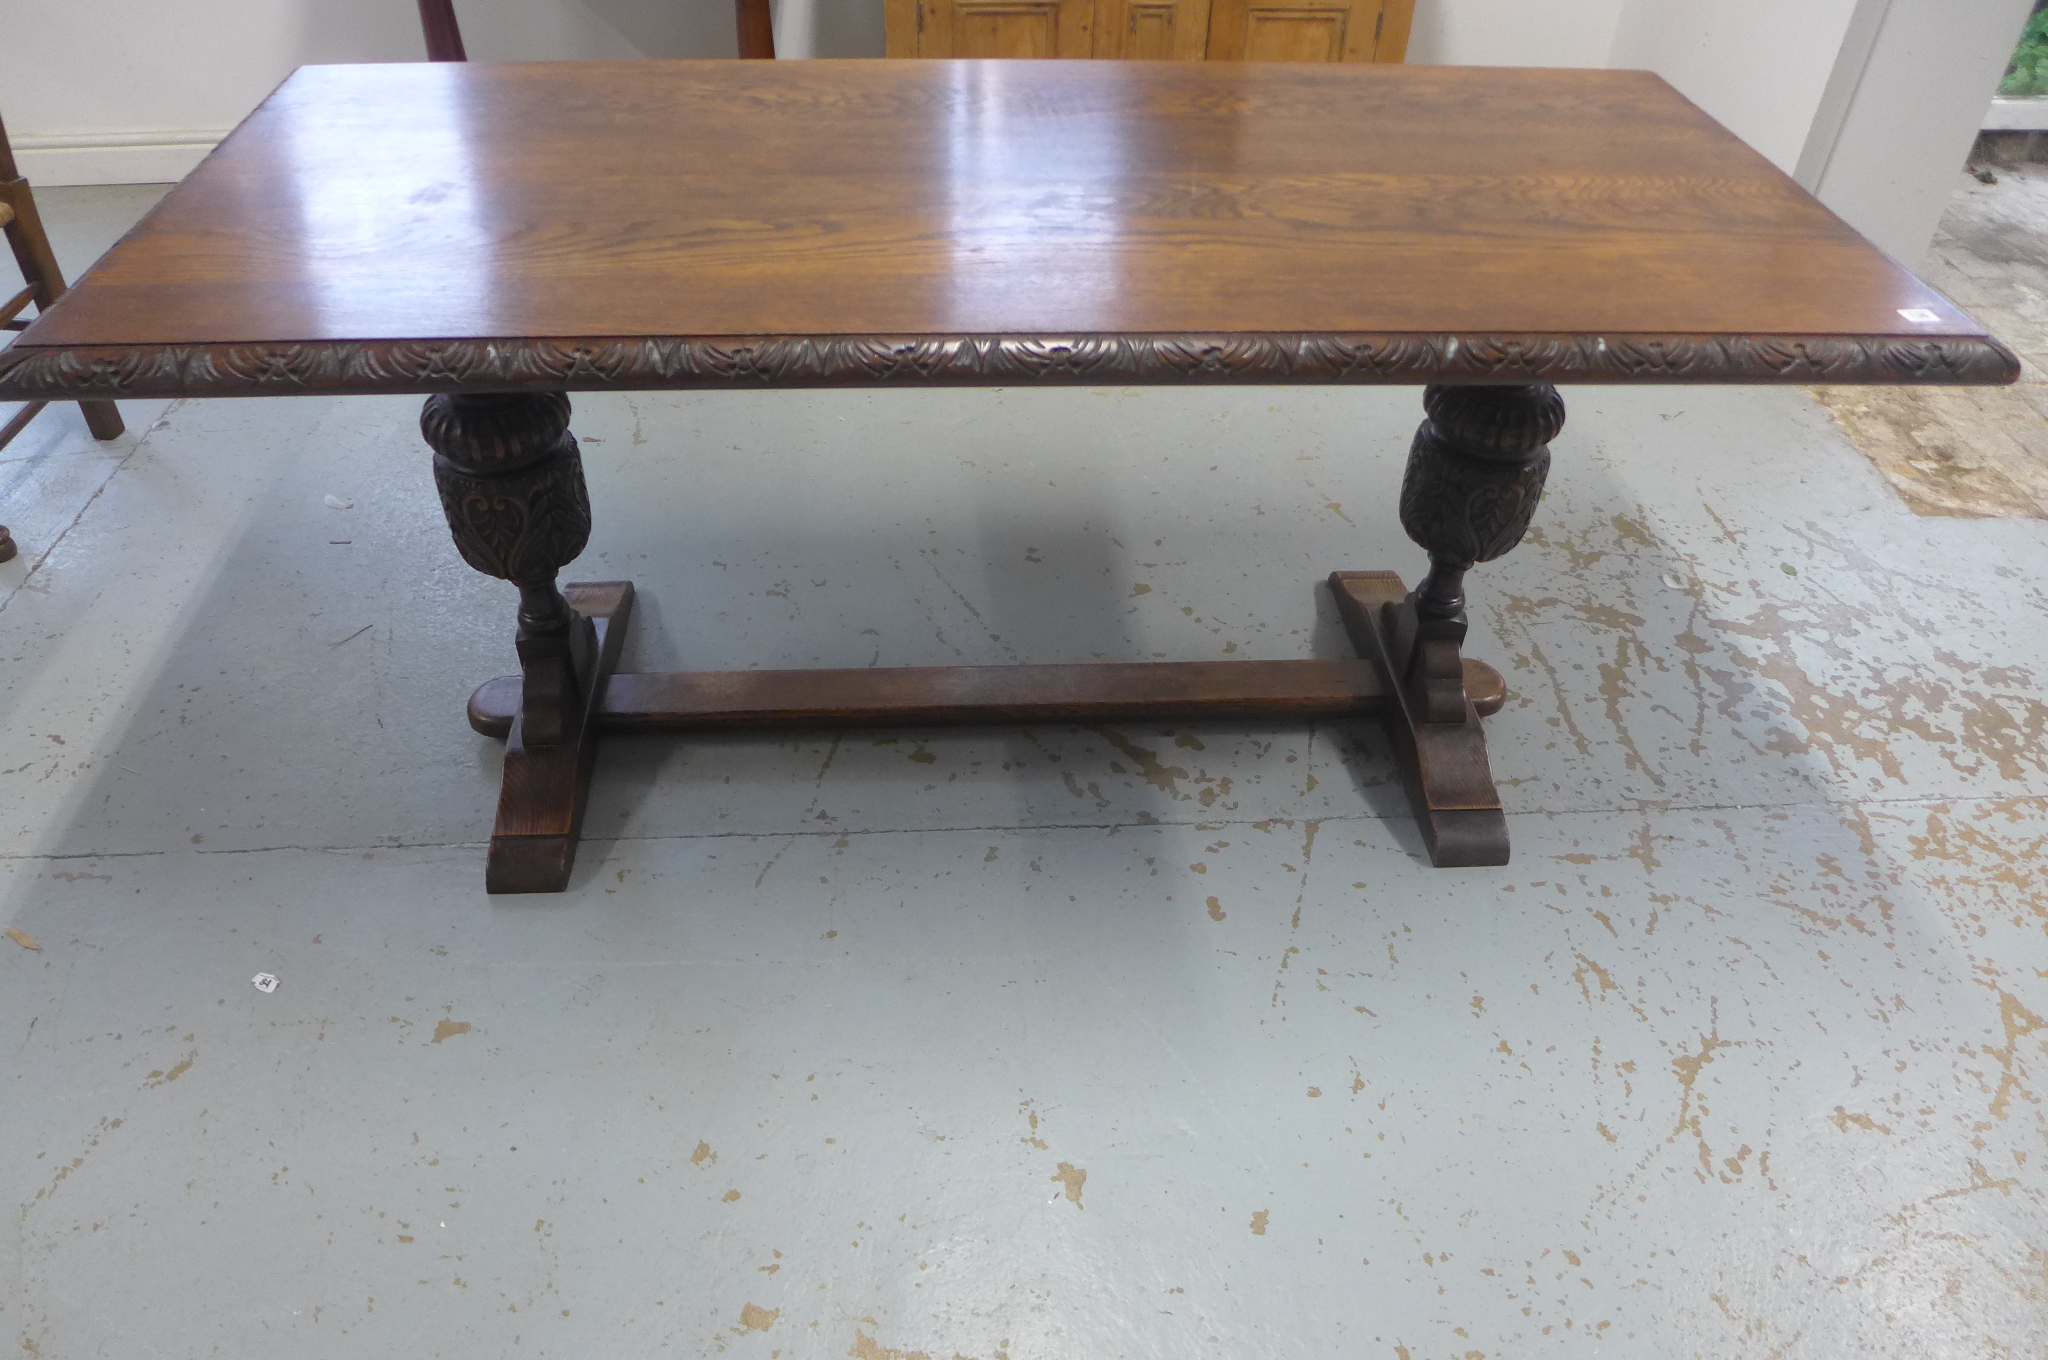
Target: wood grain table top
<point>430,227</point>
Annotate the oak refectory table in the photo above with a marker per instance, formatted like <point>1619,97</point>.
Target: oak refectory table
<point>499,236</point>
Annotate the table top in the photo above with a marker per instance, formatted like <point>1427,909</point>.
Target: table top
<point>432,227</point>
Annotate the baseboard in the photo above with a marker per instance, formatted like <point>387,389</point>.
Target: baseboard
<point>112,157</point>
<point>2017,115</point>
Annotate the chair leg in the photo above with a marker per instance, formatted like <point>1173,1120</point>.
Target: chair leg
<point>757,29</point>
<point>31,247</point>
<point>444,37</point>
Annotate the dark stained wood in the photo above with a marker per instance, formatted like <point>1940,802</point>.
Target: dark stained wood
<point>540,808</point>
<point>1475,474</point>
<point>443,34</point>
<point>545,789</point>
<point>511,486</point>
<point>21,301</point>
<point>982,696</point>
<point>757,29</point>
<point>823,199</point>
<point>18,422</point>
<point>966,696</point>
<point>457,366</point>
<point>511,483</point>
<point>1485,687</point>
<point>1444,763</point>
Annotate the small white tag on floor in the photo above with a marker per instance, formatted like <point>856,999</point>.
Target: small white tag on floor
<point>265,982</point>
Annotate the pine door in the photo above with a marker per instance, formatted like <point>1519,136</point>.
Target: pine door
<point>1156,30</point>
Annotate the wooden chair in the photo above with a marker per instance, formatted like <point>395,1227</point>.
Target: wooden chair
<point>31,247</point>
<point>444,37</point>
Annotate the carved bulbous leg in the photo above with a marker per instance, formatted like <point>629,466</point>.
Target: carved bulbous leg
<point>511,483</point>
<point>1475,474</point>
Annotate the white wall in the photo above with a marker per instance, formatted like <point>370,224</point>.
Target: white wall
<point>109,88</point>
<point>1758,66</point>
<point>828,28</point>
<point>1872,104</point>
<point>1911,115</point>
<point>1514,32</point>
<point>136,91</point>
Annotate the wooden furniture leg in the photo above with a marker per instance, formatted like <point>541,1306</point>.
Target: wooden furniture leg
<point>981,696</point>
<point>541,806</point>
<point>443,34</point>
<point>511,484</point>
<point>31,246</point>
<point>23,227</point>
<point>757,29</point>
<point>1475,474</point>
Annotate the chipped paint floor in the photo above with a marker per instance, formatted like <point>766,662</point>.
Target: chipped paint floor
<point>1132,1042</point>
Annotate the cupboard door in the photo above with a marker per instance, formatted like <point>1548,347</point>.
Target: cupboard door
<point>1179,30</point>
<point>992,28</point>
<point>1303,30</point>
<point>1152,30</point>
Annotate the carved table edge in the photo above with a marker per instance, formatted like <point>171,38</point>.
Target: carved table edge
<point>33,371</point>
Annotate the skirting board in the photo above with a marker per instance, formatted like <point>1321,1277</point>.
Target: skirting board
<point>112,157</point>
<point>2017,115</point>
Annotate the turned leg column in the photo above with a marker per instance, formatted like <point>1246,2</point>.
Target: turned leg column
<point>511,483</point>
<point>1475,473</point>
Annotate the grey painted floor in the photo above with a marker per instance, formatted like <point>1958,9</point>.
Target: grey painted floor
<point>1028,1044</point>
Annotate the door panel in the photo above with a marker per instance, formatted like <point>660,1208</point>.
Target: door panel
<point>1005,28</point>
<point>1180,30</point>
<point>1396,17</point>
<point>1294,30</point>
<point>1294,34</point>
<point>1152,30</point>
